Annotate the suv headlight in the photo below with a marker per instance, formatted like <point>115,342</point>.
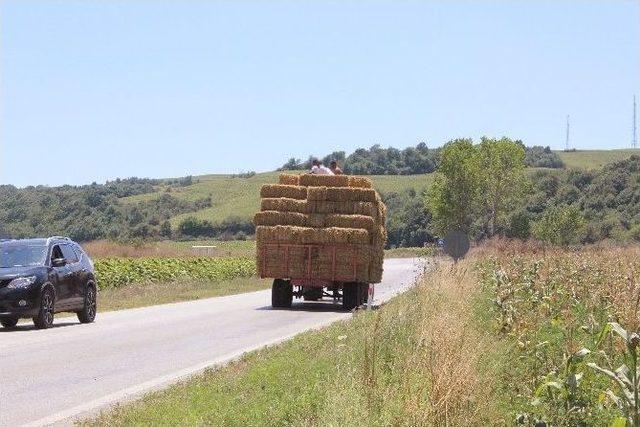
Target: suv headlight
<point>21,282</point>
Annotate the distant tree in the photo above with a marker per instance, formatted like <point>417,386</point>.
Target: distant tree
<point>194,227</point>
<point>165,229</point>
<point>541,157</point>
<point>292,164</point>
<point>502,181</point>
<point>560,225</point>
<point>453,196</point>
<point>519,225</point>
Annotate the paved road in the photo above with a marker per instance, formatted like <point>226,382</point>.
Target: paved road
<point>50,376</point>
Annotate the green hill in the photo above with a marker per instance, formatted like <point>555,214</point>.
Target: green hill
<point>236,196</point>
<point>240,197</point>
<point>594,159</point>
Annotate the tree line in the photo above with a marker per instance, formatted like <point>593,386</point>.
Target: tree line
<point>97,211</point>
<point>410,161</point>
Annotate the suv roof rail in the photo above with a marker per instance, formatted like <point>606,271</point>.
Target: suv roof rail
<point>58,238</point>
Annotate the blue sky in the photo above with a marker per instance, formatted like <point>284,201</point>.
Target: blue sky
<point>93,90</point>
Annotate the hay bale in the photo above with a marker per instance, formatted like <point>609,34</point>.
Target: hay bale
<point>308,235</point>
<point>280,218</point>
<point>350,221</point>
<point>348,194</point>
<point>289,179</point>
<point>275,260</point>
<point>284,205</point>
<point>378,237</point>
<point>341,194</point>
<point>280,190</point>
<point>347,207</point>
<point>310,180</point>
<point>316,193</point>
<point>360,182</point>
<point>315,220</point>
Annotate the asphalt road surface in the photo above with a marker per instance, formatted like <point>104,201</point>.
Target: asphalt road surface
<point>53,376</point>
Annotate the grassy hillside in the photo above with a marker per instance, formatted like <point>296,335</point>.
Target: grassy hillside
<point>594,159</point>
<point>235,196</point>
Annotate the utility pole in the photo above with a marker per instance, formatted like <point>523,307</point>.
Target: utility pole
<point>566,147</point>
<point>634,142</point>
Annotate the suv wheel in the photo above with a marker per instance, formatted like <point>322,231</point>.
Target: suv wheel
<point>9,322</point>
<point>88,312</point>
<point>44,319</point>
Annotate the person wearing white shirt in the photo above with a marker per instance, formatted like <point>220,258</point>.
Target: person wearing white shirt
<point>319,169</point>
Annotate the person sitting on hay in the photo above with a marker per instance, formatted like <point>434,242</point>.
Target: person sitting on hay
<point>335,168</point>
<point>319,169</point>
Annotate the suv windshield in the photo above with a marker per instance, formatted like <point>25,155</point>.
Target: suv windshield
<point>16,254</point>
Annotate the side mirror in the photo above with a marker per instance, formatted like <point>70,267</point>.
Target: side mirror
<point>59,262</point>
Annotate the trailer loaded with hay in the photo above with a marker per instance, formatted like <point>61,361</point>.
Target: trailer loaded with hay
<point>320,236</point>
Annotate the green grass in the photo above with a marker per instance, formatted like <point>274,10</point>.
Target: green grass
<point>594,159</point>
<point>318,378</point>
<point>240,197</point>
<point>382,367</point>
<point>143,295</point>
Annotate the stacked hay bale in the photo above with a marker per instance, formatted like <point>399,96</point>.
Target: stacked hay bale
<point>324,210</point>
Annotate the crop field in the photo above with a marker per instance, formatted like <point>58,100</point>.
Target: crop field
<point>118,272</point>
<point>568,320</point>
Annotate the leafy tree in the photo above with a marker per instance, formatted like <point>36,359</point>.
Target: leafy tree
<point>560,225</point>
<point>453,196</point>
<point>408,221</point>
<point>502,180</point>
<point>519,225</point>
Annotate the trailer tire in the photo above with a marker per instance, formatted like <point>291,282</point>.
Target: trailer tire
<point>281,294</point>
<point>364,292</point>
<point>350,296</point>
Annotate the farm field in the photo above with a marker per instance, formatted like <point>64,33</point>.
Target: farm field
<point>514,334</point>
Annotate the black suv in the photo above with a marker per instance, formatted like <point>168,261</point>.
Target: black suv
<point>40,277</point>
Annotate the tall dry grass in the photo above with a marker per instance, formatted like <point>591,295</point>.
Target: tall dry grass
<point>451,352</point>
<point>423,360</point>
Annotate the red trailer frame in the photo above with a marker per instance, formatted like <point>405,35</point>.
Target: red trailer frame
<point>342,251</point>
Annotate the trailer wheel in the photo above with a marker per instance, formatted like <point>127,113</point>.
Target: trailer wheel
<point>364,292</point>
<point>350,295</point>
<point>281,294</point>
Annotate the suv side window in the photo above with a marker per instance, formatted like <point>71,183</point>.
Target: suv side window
<point>56,252</point>
<point>69,254</point>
